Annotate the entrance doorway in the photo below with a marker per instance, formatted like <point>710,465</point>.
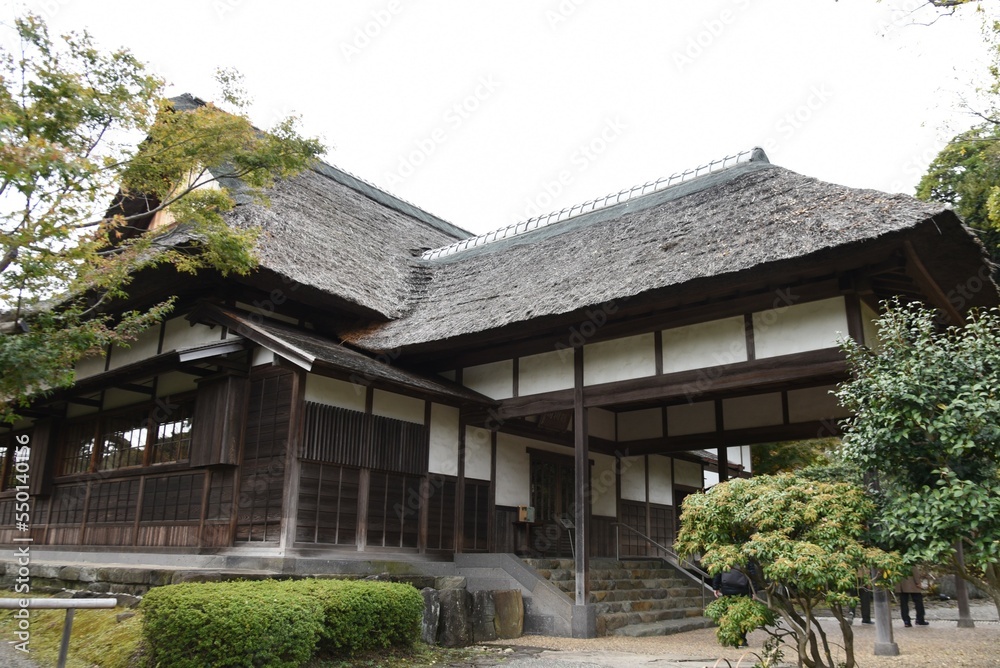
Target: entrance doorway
<point>552,494</point>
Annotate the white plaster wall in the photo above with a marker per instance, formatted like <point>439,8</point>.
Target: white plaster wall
<point>687,473</point>
<point>545,372</point>
<point>704,344</point>
<point>814,403</point>
<point>869,328</point>
<point>174,382</point>
<point>181,334</point>
<point>601,423</point>
<point>398,407</point>
<point>739,455</point>
<point>696,418</point>
<point>711,479</point>
<point>262,356</point>
<point>513,484</point>
<point>745,458</point>
<point>478,452</point>
<point>90,366</point>
<point>636,425</point>
<point>759,410</point>
<point>443,455</point>
<point>602,485</point>
<point>334,392</point>
<point>661,490</point>
<point>495,380</point>
<point>619,359</point>
<point>634,478</point>
<point>143,347</point>
<point>800,327</point>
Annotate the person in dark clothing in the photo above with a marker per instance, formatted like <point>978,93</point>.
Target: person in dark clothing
<point>865,594</point>
<point>911,589</point>
<point>733,583</point>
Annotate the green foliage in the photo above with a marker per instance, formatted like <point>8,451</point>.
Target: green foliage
<point>70,118</point>
<point>276,623</point>
<point>246,624</point>
<point>926,411</point>
<point>788,456</point>
<point>361,615</point>
<point>737,616</point>
<point>807,542</point>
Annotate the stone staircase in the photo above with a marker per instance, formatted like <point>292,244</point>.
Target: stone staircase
<point>642,597</point>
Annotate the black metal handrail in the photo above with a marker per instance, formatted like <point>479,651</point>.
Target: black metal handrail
<point>685,566</point>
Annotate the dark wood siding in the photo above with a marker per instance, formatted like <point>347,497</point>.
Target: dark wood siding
<point>475,536</point>
<point>440,503</point>
<point>262,471</point>
<point>219,416</point>
<point>391,520</point>
<point>328,504</point>
<point>341,436</point>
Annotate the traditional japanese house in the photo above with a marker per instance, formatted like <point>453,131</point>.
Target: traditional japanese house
<point>388,386</point>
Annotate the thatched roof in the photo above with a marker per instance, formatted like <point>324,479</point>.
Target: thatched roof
<point>746,217</point>
<point>328,230</point>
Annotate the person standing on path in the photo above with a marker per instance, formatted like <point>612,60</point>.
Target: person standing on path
<point>912,588</point>
<point>733,583</point>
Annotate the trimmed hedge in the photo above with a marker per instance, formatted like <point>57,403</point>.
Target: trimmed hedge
<point>276,623</point>
<point>364,615</point>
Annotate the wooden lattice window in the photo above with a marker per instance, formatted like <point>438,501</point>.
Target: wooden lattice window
<point>173,436</point>
<point>328,504</point>
<point>12,454</point>
<point>172,499</point>
<point>390,523</point>
<point>139,436</point>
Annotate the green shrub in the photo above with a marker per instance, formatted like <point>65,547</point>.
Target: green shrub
<point>244,624</point>
<point>364,615</point>
<point>276,622</point>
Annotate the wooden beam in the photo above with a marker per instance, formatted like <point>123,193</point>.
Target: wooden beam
<point>711,440</point>
<point>918,272</point>
<point>725,380</point>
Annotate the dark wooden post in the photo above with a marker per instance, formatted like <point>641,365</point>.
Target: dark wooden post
<point>584,616</point>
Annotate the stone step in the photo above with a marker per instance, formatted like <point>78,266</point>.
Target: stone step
<point>688,593</point>
<point>608,623</point>
<point>614,607</point>
<point>664,628</point>
<point>614,574</point>
<point>630,585</point>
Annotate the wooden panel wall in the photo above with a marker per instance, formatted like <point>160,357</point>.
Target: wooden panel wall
<point>258,514</point>
<point>341,436</point>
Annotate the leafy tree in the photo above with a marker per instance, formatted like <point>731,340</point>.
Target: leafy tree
<point>70,116</point>
<point>807,543</point>
<point>788,456</point>
<point>926,416</point>
<point>966,175</point>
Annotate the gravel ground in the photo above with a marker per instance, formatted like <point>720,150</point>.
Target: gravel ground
<point>940,644</point>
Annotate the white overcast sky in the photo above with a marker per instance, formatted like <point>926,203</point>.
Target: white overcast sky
<point>487,112</point>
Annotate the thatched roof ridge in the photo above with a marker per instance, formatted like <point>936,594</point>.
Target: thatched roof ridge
<point>748,216</point>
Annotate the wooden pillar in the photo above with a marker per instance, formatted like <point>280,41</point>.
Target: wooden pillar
<point>584,617</point>
<point>290,489</point>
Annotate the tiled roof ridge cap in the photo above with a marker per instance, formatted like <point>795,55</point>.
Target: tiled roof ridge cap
<point>755,155</point>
